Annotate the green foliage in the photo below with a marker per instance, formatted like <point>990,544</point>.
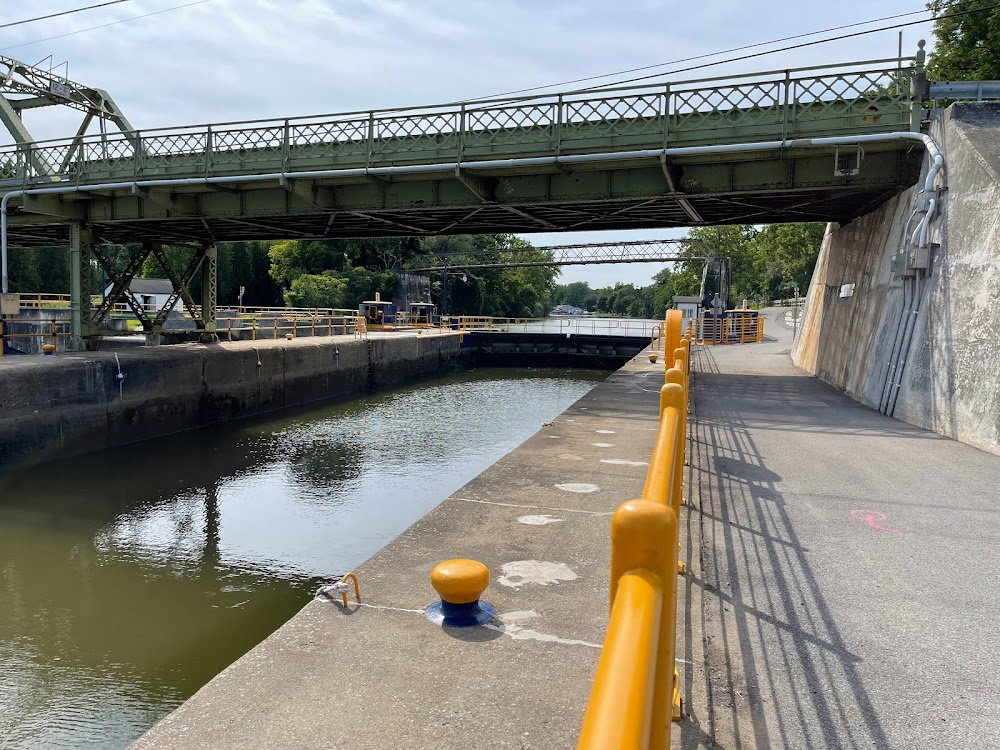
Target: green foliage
<point>247,264</point>
<point>312,290</point>
<point>784,257</point>
<point>38,269</point>
<point>579,294</point>
<point>501,292</point>
<point>307,270</point>
<point>766,264</point>
<point>968,47</point>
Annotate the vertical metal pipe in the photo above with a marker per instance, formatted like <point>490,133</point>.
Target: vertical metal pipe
<point>904,352</point>
<point>3,234</point>
<point>76,285</point>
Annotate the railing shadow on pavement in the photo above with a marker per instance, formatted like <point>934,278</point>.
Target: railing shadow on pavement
<point>775,669</point>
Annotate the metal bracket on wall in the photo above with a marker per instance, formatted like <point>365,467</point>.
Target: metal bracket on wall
<point>843,166</point>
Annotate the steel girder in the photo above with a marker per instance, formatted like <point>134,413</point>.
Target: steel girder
<point>26,87</point>
<point>758,187</point>
<point>638,251</point>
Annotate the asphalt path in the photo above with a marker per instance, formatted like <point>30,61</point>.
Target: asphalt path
<point>843,568</point>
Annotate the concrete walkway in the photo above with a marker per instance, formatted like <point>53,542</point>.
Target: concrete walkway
<point>380,676</point>
<point>843,569</point>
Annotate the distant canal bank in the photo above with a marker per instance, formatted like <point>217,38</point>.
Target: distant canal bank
<point>128,578</point>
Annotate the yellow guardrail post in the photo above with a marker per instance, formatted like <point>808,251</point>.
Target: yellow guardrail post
<point>676,376</point>
<point>630,697</point>
<point>636,690</point>
<point>672,334</point>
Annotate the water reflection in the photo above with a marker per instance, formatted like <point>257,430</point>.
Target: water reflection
<point>129,578</point>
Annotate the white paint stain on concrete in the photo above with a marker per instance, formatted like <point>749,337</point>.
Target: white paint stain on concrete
<point>542,507</point>
<point>623,462</point>
<point>605,432</point>
<point>603,445</point>
<point>570,457</point>
<point>522,572</point>
<point>580,488</point>
<point>510,624</point>
<point>538,520</point>
<point>555,437</point>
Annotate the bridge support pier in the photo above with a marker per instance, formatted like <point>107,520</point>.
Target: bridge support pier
<point>209,293</point>
<point>81,255</point>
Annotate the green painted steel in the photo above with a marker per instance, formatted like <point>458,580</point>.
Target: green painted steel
<point>588,253</point>
<point>610,158</point>
<point>838,100</point>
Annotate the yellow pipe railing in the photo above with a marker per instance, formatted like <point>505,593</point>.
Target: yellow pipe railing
<point>636,689</point>
<point>274,328</point>
<point>741,330</point>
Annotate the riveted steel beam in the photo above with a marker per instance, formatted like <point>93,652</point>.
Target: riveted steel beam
<point>120,284</point>
<point>180,283</point>
<point>320,196</point>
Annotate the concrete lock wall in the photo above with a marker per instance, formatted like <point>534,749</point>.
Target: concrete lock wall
<point>54,407</point>
<point>951,372</point>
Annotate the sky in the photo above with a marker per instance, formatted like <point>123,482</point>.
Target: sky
<point>226,60</point>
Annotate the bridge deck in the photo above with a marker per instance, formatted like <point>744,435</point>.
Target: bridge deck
<point>346,175</point>
<point>823,630</point>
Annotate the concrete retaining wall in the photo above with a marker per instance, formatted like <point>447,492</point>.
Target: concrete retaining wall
<point>71,404</point>
<point>951,375</point>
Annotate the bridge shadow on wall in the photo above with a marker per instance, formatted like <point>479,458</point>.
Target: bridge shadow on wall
<point>770,668</point>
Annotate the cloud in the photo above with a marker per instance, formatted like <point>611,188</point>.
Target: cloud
<point>226,60</point>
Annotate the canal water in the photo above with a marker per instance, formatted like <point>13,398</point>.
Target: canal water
<point>129,578</point>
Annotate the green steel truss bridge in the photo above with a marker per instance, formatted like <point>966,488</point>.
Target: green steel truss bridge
<point>634,251</point>
<point>826,143</point>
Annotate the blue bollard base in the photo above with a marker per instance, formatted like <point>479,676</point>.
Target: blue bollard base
<point>460,615</point>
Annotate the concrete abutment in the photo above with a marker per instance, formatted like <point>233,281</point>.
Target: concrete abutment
<point>947,379</point>
<point>66,405</point>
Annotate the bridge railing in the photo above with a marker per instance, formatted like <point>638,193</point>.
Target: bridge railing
<point>736,330</point>
<point>37,332</point>
<point>285,312</point>
<point>255,328</point>
<point>849,98</point>
<point>578,326</point>
<point>636,692</point>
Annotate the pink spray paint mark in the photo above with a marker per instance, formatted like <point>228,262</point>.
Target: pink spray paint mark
<point>873,518</point>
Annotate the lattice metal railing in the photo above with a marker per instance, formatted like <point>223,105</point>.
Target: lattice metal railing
<point>848,99</point>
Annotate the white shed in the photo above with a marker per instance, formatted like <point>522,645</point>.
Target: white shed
<point>150,294</point>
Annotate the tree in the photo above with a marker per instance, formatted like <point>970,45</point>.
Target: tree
<point>501,292</point>
<point>968,46</point>
<point>784,257</point>
<point>311,290</point>
<point>578,294</point>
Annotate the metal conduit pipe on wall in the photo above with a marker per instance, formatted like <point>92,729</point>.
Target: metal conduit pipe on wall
<point>911,324</point>
<point>456,167</point>
<point>926,208</point>
<point>897,339</point>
